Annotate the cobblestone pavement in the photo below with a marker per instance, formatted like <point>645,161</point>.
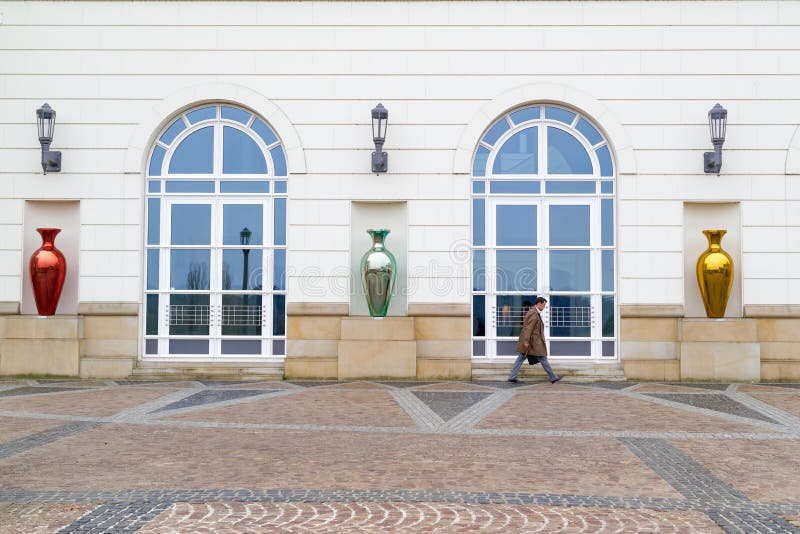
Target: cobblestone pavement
<point>301,456</point>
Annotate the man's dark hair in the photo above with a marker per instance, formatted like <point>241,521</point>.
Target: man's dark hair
<point>540,299</point>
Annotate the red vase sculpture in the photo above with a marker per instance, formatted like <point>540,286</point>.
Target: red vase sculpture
<point>47,268</point>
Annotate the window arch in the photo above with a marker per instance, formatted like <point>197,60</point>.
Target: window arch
<point>215,239</point>
<point>543,224</point>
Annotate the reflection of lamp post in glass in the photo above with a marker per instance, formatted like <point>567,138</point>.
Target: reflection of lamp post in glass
<point>244,239</point>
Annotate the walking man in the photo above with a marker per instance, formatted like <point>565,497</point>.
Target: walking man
<point>531,342</point>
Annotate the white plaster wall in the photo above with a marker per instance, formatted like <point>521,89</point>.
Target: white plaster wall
<point>434,66</point>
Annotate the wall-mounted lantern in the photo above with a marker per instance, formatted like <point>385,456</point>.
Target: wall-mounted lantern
<point>717,120</point>
<point>46,121</point>
<point>380,119</point>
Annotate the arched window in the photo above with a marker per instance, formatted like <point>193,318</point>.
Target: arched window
<point>216,238</point>
<point>543,224</point>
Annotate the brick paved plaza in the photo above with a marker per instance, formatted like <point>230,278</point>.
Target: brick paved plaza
<point>115,456</point>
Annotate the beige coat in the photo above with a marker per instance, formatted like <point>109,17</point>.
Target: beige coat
<point>533,333</point>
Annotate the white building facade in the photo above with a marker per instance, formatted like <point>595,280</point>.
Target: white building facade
<point>216,186</point>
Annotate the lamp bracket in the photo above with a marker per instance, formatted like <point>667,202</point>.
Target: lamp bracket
<point>712,162</point>
<point>380,162</point>
<point>51,161</point>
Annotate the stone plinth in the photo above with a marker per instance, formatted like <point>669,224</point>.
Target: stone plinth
<point>33,345</point>
<point>720,350</point>
<point>377,348</point>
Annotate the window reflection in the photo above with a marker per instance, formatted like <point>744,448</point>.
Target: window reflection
<point>569,225</point>
<point>565,154</point>
<point>516,225</point>
<point>195,154</point>
<point>191,224</point>
<point>519,154</point>
<point>569,270</point>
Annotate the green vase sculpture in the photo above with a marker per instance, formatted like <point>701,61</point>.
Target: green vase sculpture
<point>378,273</point>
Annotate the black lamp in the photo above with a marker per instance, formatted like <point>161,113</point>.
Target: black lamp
<point>380,159</point>
<point>244,239</point>
<point>717,120</point>
<point>46,121</point>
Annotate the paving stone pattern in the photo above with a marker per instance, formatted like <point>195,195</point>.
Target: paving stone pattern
<point>716,402</point>
<point>658,487</point>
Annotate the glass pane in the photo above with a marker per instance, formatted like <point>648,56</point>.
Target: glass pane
<point>558,114</point>
<point>608,315</point>
<point>608,349</point>
<point>151,327</point>
<point>531,187</point>
<point>202,114</point>
<point>154,186</point>
<point>279,283</point>
<point>478,222</point>
<point>238,220</point>
<point>519,154</point>
<point>189,269</point>
<point>570,316</point>
<point>231,186</point>
<point>563,187</point>
<point>241,346</point>
<point>510,312</point>
<point>172,132</point>
<point>280,186</point>
<point>191,224</point>
<point>516,270</point>
<point>151,346</point>
<point>264,131</point>
<point>152,268</point>
<point>604,157</point>
<point>608,270</point>
<point>195,154</point>
<point>570,348</point>
<point>565,154</point>
<point>190,186</point>
<point>506,348</point>
<point>607,222</point>
<point>592,135</point>
<point>479,348</point>
<point>188,346</point>
<point>479,270</point>
<point>516,225</point>
<point>569,226</point>
<point>279,315</point>
<point>278,347</point>
<point>280,221</point>
<point>479,161</point>
<point>153,221</point>
<point>235,114</point>
<point>241,269</point>
<point>478,315</point>
<point>479,187</point>
<point>569,270</point>
<point>241,315</point>
<point>240,154</point>
<point>607,187</point>
<point>525,114</point>
<point>156,160</point>
<point>494,133</point>
<point>188,315</point>
<point>279,161</point>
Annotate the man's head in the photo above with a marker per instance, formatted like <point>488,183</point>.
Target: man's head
<point>541,302</point>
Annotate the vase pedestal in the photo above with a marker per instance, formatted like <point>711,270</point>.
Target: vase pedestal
<point>377,348</point>
<point>35,345</point>
<point>720,350</point>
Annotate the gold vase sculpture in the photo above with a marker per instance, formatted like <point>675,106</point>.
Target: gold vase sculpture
<point>715,275</point>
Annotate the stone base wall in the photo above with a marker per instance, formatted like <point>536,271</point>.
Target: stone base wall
<point>101,342</point>
<point>322,344</point>
<point>750,349</point>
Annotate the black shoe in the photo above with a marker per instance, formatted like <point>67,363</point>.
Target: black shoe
<point>556,379</point>
<point>513,380</point>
